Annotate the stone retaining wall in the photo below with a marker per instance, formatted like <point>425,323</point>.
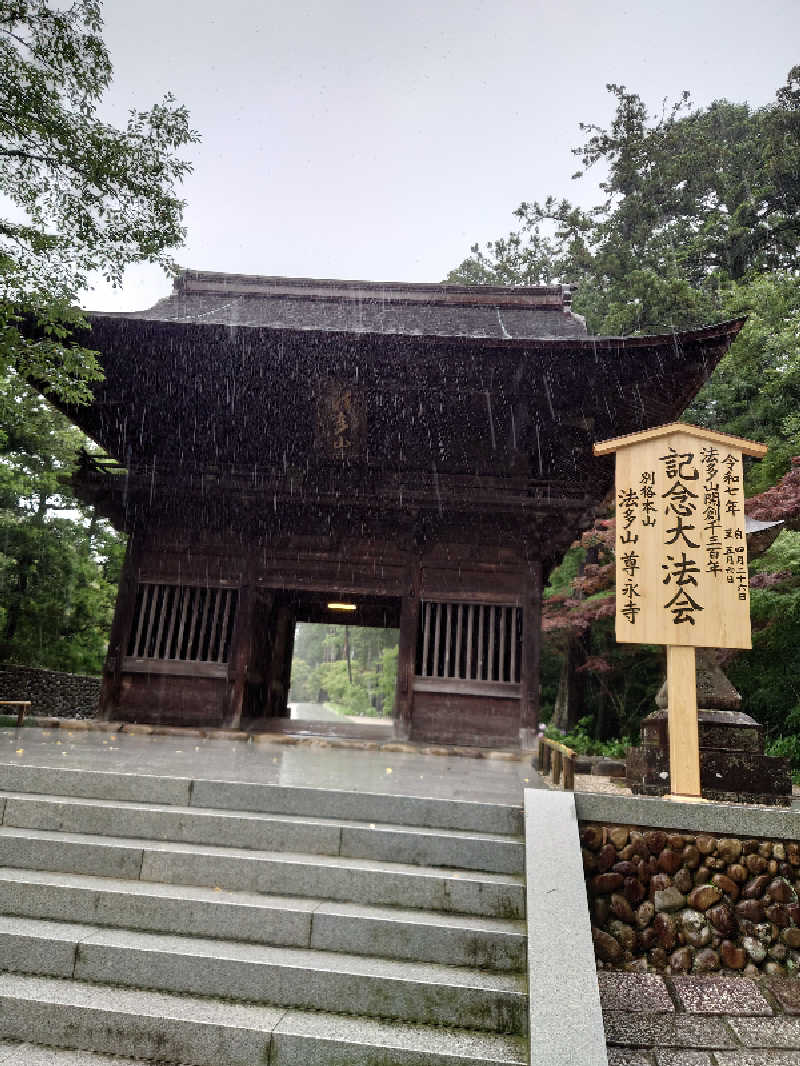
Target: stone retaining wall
<point>682,902</point>
<point>50,692</point>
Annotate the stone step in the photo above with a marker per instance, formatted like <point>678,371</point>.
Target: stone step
<point>154,1026</point>
<point>265,798</point>
<point>419,993</point>
<point>25,1054</point>
<point>365,881</point>
<point>424,936</point>
<point>266,832</point>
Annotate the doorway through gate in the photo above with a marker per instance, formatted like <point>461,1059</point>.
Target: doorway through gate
<point>318,663</point>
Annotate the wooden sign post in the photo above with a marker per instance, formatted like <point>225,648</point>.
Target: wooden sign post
<point>681,566</point>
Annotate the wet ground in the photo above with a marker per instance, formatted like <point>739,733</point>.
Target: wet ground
<point>312,765</point>
<point>317,712</point>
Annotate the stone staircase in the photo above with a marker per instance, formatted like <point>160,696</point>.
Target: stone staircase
<point>232,924</point>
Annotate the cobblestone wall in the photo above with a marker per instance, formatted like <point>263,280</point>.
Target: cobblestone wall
<point>50,692</point>
<point>674,902</point>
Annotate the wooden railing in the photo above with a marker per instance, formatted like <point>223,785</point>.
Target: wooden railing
<point>555,759</point>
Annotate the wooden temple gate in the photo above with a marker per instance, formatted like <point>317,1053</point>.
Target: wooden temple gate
<point>420,452</point>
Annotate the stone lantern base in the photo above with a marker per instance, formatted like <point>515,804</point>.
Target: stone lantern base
<point>733,766</point>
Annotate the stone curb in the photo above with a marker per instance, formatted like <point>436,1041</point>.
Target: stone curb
<point>723,818</point>
<point>87,725</point>
<point>561,965</point>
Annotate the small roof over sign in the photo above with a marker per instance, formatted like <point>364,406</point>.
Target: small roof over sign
<point>746,447</point>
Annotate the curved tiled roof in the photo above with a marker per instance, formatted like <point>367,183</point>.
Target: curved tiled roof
<point>484,311</point>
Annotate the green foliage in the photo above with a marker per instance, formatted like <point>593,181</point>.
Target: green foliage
<point>782,555</point>
<point>59,563</point>
<point>302,682</point>
<point>694,200</point>
<point>346,694</point>
<point>616,698</point>
<point>561,578</point>
<point>767,676</point>
<point>582,741</point>
<point>755,391</point>
<point>550,663</point>
<point>10,721</point>
<point>320,665</point>
<point>700,221</point>
<point>83,195</point>
<point>387,678</point>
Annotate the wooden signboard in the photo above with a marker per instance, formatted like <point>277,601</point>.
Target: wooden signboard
<point>681,561</point>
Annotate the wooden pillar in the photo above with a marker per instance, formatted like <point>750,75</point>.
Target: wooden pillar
<point>684,743</point>
<point>111,685</point>
<point>406,657</point>
<point>531,654</point>
<point>282,634</point>
<point>239,657</point>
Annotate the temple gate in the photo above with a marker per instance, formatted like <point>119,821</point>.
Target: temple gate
<point>419,454</point>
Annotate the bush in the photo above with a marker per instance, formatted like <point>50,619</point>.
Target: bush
<point>581,741</point>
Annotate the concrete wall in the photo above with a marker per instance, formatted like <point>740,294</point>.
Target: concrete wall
<point>50,692</point>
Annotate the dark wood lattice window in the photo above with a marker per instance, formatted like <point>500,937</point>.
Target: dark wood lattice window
<point>469,642</point>
<point>182,623</point>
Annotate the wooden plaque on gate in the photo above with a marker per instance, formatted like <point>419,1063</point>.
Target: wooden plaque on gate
<point>681,551</point>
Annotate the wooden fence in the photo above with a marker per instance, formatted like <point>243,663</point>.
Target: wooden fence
<point>557,759</point>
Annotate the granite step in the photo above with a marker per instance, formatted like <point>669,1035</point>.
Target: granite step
<point>186,1030</point>
<point>421,935</point>
<point>241,796</point>
<point>25,1054</point>
<point>364,881</point>
<point>490,852</point>
<point>203,922</point>
<point>414,992</point>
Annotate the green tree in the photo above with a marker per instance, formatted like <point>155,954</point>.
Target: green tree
<point>755,391</point>
<point>59,562</point>
<point>768,676</point>
<point>83,195</point>
<point>319,664</point>
<point>693,200</point>
<point>699,221</point>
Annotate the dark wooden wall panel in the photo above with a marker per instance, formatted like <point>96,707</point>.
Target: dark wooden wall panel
<point>155,699</point>
<point>471,720</point>
<point>492,585</point>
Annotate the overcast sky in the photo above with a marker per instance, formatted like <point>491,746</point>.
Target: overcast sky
<point>379,140</point>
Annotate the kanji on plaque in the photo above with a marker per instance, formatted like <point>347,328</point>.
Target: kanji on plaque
<point>680,537</point>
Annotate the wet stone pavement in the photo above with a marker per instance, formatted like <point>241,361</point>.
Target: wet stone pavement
<point>310,764</point>
<point>700,1021</point>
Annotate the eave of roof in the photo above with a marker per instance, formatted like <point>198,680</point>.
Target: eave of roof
<point>722,331</point>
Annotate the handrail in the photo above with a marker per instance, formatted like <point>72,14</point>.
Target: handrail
<point>553,757</point>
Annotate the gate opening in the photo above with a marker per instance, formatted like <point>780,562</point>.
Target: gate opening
<point>323,663</point>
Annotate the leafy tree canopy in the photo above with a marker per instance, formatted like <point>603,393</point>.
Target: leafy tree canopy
<point>81,195</point>
<point>693,199</point>
<point>699,221</point>
<point>59,563</point>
